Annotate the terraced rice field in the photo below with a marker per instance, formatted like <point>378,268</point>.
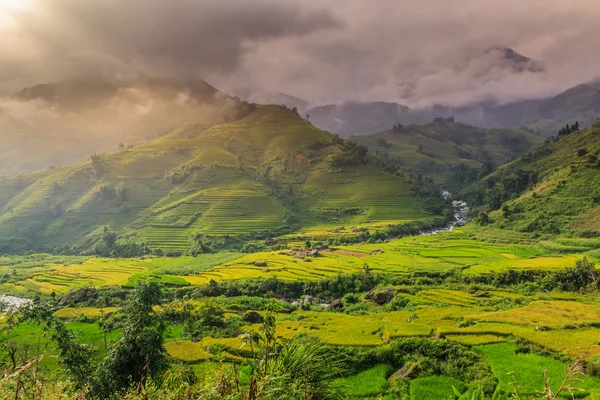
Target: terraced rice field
<point>93,272</point>
<point>214,212</point>
<point>382,199</point>
<point>238,211</point>
<point>424,253</point>
<point>569,335</point>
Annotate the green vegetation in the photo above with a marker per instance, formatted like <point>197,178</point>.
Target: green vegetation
<point>425,332</point>
<point>550,191</point>
<point>262,258</point>
<point>449,152</point>
<point>510,362</point>
<point>435,387</point>
<point>199,190</point>
<point>445,253</point>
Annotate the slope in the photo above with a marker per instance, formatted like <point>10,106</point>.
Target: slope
<point>270,171</point>
<point>448,151</point>
<point>553,190</point>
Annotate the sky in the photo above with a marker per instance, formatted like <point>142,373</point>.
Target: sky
<point>414,52</point>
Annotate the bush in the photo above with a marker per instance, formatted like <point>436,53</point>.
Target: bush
<point>400,302</point>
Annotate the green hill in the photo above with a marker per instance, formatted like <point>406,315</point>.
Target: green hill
<point>553,190</point>
<point>449,151</point>
<point>271,170</point>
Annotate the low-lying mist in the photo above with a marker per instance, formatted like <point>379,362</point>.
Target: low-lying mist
<point>58,124</point>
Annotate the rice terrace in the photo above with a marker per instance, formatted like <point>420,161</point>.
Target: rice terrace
<point>369,200</point>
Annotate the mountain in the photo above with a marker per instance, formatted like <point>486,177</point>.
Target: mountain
<point>61,123</point>
<point>552,190</point>
<point>506,57</point>
<point>446,149</point>
<point>347,119</point>
<point>544,116</point>
<point>264,97</point>
<point>269,173</point>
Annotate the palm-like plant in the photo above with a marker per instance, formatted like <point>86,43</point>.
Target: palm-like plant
<point>300,368</point>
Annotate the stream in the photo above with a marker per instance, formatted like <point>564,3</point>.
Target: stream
<point>12,302</point>
<point>461,211</point>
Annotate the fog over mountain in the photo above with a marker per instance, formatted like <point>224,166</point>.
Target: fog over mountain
<point>327,51</point>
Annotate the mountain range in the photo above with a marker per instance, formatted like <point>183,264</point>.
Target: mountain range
<point>543,116</point>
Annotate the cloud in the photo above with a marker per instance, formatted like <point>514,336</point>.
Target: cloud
<point>413,52</point>
<point>423,52</point>
<point>177,38</point>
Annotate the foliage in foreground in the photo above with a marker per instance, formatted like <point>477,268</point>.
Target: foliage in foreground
<point>138,364</point>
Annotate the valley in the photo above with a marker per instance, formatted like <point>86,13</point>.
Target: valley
<point>268,224</point>
<point>286,200</point>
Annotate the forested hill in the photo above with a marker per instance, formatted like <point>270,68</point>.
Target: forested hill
<point>552,190</point>
<point>269,173</point>
<point>450,152</point>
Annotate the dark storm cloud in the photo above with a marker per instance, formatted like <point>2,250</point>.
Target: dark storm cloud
<point>172,38</point>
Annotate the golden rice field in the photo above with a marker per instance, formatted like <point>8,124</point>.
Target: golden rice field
<point>424,253</point>
<point>420,253</point>
<point>567,323</point>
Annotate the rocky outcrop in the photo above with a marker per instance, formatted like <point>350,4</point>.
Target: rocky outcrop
<point>79,295</point>
<point>381,296</point>
<point>253,317</point>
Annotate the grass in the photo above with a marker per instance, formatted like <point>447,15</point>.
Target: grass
<point>367,384</point>
<point>30,339</point>
<point>424,253</point>
<point>527,369</point>
<point>562,201</point>
<point>435,387</point>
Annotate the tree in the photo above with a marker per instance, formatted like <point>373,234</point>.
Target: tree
<point>139,354</point>
<point>121,146</point>
<point>488,167</point>
<point>122,191</point>
<point>239,163</point>
<point>383,143</point>
<point>568,129</point>
<point>96,163</point>
<point>109,238</point>
<point>106,191</point>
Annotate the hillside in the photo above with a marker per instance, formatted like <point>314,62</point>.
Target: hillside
<point>553,190</point>
<point>449,151</point>
<point>270,171</point>
<point>62,123</point>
